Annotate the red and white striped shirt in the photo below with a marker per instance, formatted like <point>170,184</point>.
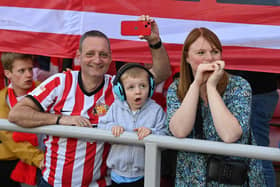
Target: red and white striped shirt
<point>71,161</point>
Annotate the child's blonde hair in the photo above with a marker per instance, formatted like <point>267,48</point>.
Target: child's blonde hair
<point>134,72</point>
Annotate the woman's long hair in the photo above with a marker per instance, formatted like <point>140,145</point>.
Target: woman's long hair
<point>186,74</point>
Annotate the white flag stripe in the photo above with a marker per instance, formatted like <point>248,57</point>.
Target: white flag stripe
<point>40,20</point>
<point>172,30</point>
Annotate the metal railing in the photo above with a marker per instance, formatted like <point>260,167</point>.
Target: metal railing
<point>153,145</point>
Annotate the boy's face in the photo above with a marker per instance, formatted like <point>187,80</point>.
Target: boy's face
<point>136,90</point>
<point>21,76</point>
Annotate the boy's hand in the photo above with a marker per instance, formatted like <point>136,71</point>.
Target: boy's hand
<point>117,130</point>
<point>142,132</point>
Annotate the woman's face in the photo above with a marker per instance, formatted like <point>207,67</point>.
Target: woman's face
<point>201,51</point>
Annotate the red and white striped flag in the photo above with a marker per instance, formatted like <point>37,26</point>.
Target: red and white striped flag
<point>250,33</point>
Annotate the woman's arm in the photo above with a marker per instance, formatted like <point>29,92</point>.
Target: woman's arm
<point>227,126</point>
<point>182,122</point>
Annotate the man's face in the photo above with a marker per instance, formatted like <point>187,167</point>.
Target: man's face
<point>95,57</point>
<point>21,76</point>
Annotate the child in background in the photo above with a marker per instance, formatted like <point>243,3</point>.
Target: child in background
<point>132,111</point>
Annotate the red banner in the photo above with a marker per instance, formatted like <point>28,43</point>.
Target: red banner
<point>250,33</point>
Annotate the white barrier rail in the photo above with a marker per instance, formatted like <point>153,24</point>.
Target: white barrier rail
<point>153,145</point>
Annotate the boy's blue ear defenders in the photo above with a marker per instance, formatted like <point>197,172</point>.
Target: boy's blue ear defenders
<point>118,86</point>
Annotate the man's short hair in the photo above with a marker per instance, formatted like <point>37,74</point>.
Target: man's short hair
<point>93,33</point>
<point>8,59</point>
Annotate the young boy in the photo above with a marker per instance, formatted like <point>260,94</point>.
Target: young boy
<point>15,146</point>
<point>132,111</point>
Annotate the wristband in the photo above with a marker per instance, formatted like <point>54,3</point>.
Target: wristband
<point>156,46</point>
<point>57,120</point>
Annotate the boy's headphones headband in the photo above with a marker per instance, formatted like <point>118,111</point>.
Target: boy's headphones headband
<point>118,86</point>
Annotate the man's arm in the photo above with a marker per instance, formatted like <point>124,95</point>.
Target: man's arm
<point>161,65</point>
<point>27,114</point>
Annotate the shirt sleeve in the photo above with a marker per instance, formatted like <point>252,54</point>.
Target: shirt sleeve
<point>160,127</point>
<point>238,100</point>
<point>107,121</point>
<point>24,151</point>
<point>49,90</point>
<point>173,102</point>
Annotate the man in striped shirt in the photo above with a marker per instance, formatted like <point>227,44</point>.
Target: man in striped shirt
<point>79,98</point>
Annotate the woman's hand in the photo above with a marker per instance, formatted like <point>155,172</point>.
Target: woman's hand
<point>203,72</point>
<point>215,77</point>
<point>209,73</point>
